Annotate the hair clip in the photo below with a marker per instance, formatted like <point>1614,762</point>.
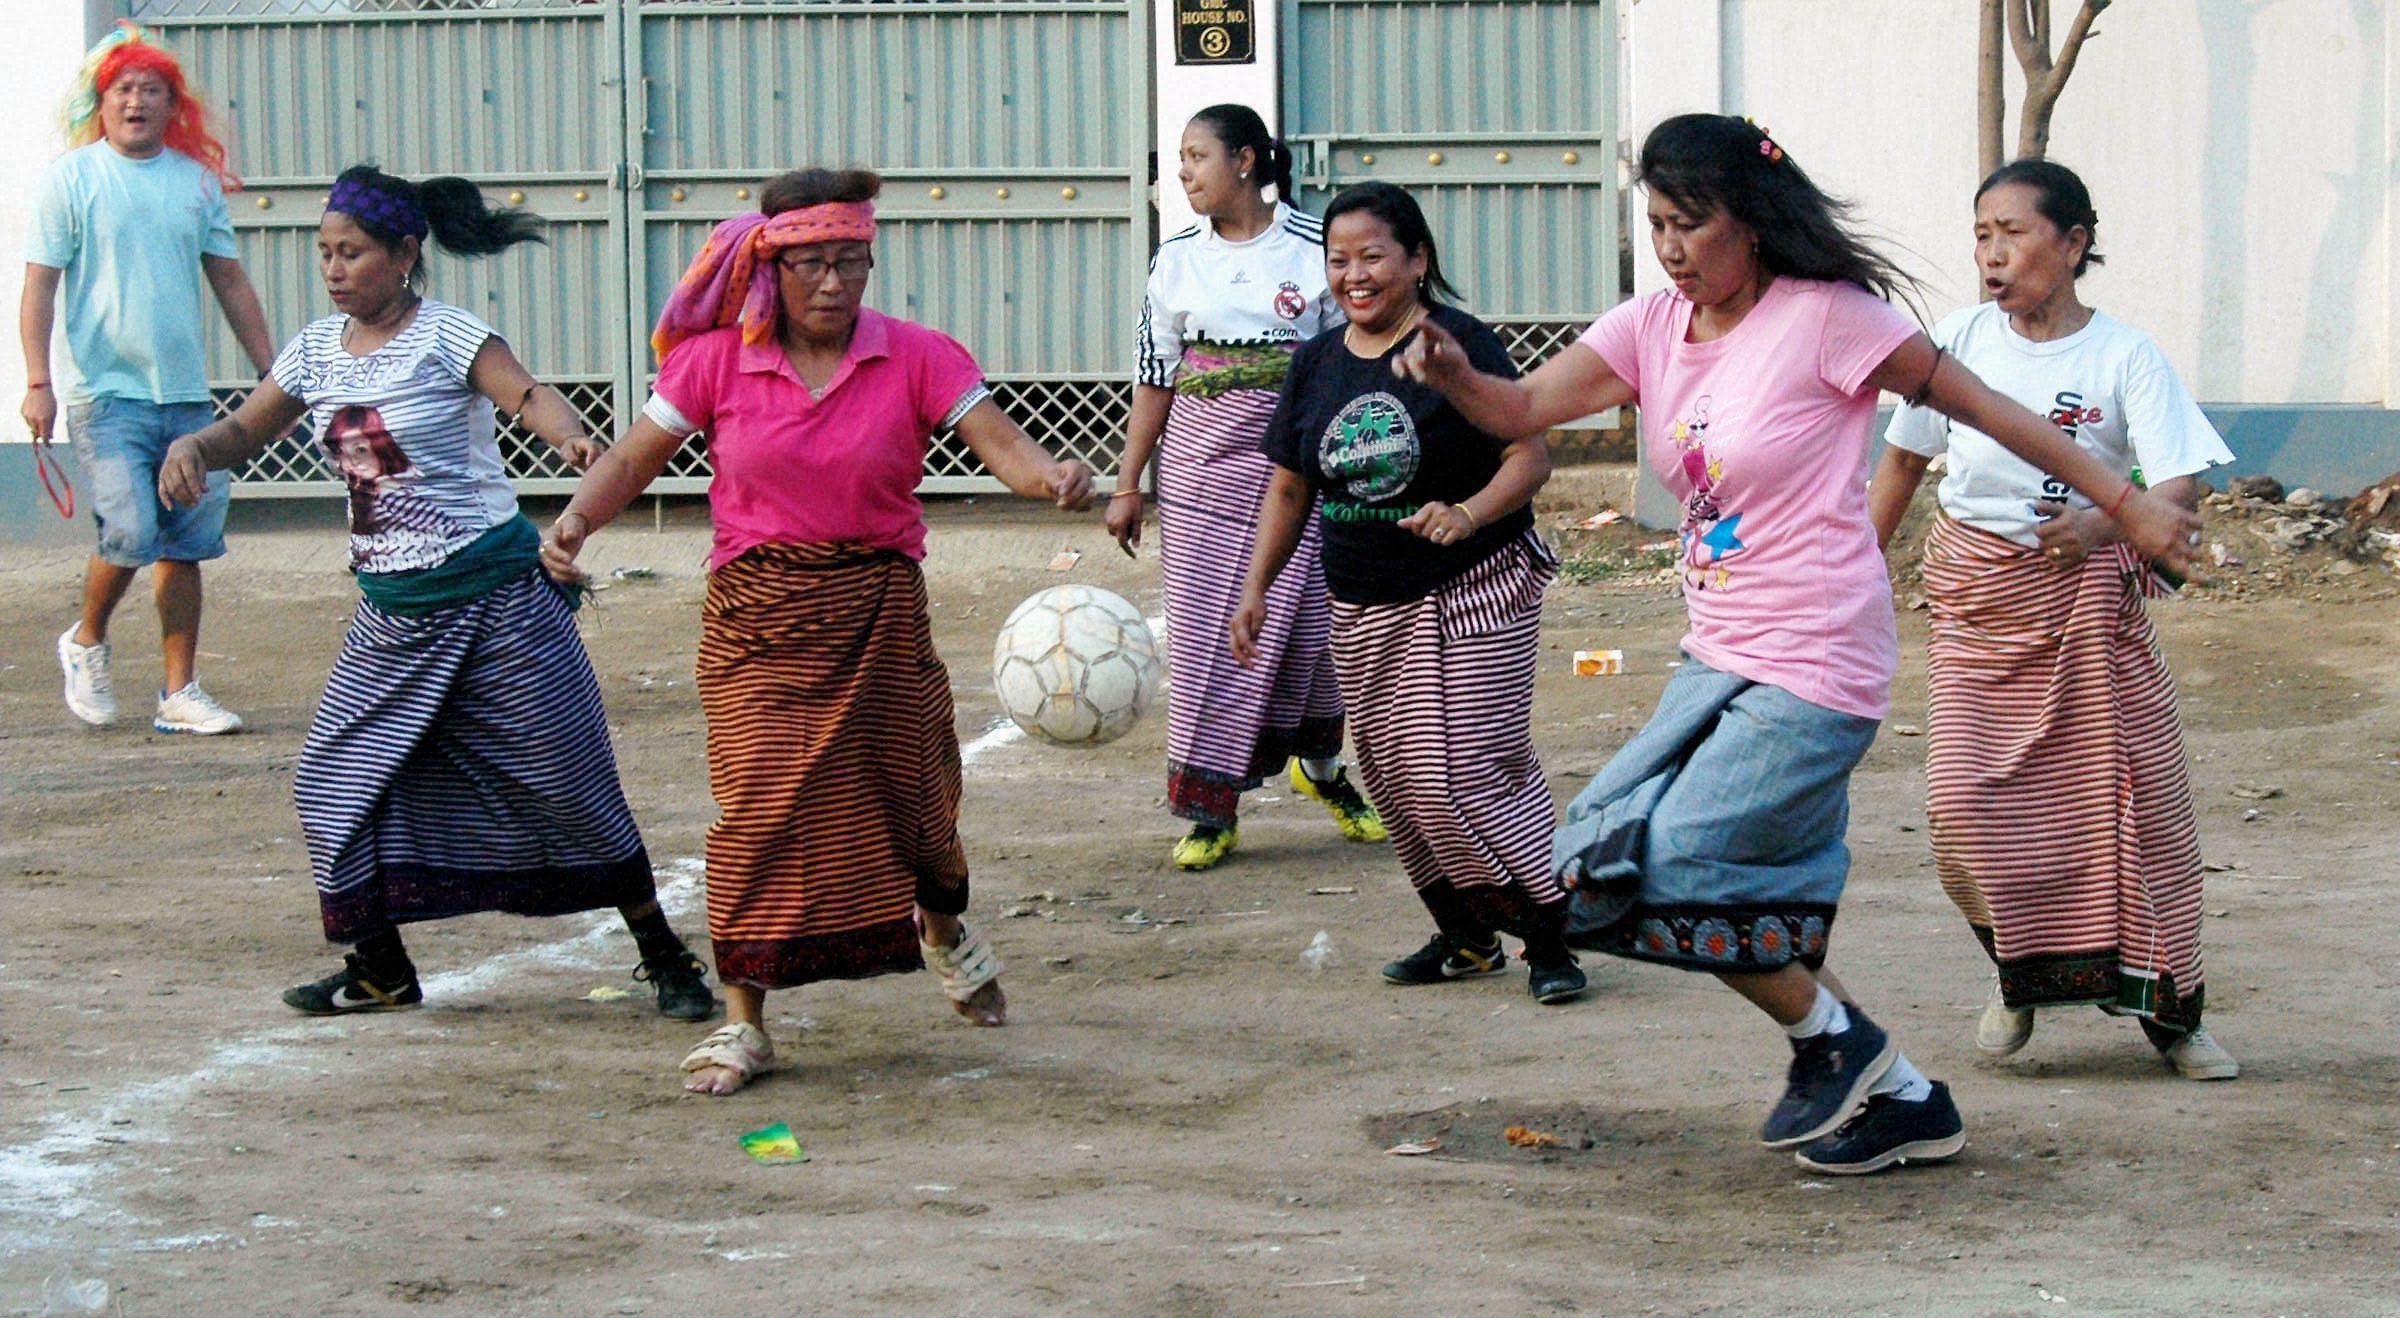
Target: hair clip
<point>1767,147</point>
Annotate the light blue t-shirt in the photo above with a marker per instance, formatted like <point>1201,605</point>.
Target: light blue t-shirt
<point>130,234</point>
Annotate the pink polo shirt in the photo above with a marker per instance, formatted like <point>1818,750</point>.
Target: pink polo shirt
<point>795,467</point>
<point>1763,434</point>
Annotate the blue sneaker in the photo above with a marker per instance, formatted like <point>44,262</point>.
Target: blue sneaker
<point>1829,1080</point>
<point>1889,1131</point>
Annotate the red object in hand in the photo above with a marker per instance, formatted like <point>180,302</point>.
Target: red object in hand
<point>61,490</point>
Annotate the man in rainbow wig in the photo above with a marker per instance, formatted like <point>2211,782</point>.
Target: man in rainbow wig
<point>130,220</point>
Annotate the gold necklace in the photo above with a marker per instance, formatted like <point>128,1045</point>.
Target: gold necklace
<point>1407,323</point>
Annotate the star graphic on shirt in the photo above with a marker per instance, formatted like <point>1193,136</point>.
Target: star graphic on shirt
<point>1723,538</point>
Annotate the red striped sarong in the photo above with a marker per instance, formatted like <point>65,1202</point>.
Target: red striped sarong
<point>2060,802</point>
<point>834,763</point>
<point>1440,696</point>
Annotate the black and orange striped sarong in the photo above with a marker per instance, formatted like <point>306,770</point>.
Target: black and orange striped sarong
<point>834,763</point>
<point>2060,803</point>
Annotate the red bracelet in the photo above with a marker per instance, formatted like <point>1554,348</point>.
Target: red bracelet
<point>2122,496</point>
<point>31,385</point>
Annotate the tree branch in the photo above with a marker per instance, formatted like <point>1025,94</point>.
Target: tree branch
<point>2032,56</point>
<point>1991,108</point>
<point>2077,33</point>
<point>2045,83</point>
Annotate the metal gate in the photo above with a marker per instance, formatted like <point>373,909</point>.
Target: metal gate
<point>1499,115</point>
<point>1014,212</point>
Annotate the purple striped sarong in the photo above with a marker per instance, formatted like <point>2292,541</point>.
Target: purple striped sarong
<point>1229,727</point>
<point>459,762</point>
<point>1440,694</point>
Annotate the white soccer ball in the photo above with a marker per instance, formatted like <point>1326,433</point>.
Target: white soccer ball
<point>1075,666</point>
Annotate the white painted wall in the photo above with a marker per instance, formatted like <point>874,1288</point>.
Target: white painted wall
<point>1184,89</point>
<point>37,65</point>
<point>2241,154</point>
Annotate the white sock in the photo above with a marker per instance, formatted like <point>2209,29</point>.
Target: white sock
<point>1826,1017</point>
<point>1322,771</point>
<point>1904,1082</point>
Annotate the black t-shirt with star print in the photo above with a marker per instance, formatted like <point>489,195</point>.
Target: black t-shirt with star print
<point>1375,447</point>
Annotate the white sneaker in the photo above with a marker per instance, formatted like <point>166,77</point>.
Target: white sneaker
<point>2195,1056</point>
<point>2003,1029</point>
<point>89,694</point>
<point>194,710</point>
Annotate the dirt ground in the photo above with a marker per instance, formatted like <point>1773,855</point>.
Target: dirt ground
<point>1183,1116</point>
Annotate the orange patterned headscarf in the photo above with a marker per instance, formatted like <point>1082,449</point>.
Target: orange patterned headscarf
<point>732,280</point>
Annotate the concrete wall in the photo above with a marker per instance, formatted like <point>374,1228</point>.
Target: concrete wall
<point>37,65</point>
<point>2240,153</point>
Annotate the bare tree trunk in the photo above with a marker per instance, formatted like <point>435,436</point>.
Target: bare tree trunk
<point>1991,92</point>
<point>2045,76</point>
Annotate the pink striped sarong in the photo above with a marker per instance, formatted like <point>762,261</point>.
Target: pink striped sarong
<point>1440,694</point>
<point>1229,727</point>
<point>2060,802</point>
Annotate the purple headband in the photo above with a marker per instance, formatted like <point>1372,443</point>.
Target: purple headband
<point>395,215</point>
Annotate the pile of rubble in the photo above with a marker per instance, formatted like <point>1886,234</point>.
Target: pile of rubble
<point>2365,531</point>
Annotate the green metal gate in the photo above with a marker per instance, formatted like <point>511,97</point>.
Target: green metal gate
<point>1014,212</point>
<point>1499,115</point>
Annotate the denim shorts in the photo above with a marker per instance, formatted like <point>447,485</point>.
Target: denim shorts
<point>119,443</point>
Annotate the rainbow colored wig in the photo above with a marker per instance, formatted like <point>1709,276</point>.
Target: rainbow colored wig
<point>130,48</point>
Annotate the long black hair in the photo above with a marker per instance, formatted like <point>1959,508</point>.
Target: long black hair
<point>1240,129</point>
<point>453,209</point>
<point>1390,203</point>
<point>2061,198</point>
<point>1706,163</point>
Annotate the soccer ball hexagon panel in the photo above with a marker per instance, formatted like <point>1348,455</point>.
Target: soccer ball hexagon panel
<point>1075,666</point>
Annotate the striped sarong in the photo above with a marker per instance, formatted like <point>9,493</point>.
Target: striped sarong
<point>1440,694</point>
<point>459,762</point>
<point>2060,804</point>
<point>1230,727</point>
<point>834,764</point>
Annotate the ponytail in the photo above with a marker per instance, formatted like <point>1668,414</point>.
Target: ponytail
<point>1276,167</point>
<point>463,224</point>
<point>449,210</point>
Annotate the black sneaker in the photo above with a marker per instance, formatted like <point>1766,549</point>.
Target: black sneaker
<point>355,988</point>
<point>1890,1130</point>
<point>1829,1079</point>
<point>682,986</point>
<point>1554,981</point>
<point>1447,958</point>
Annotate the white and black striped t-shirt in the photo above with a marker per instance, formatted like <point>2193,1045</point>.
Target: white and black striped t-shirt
<point>1269,289</point>
<point>401,426</point>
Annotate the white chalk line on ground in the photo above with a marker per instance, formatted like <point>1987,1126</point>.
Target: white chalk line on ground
<point>53,1179</point>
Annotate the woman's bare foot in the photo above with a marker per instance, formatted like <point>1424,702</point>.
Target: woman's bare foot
<point>715,1080</point>
<point>734,1053</point>
<point>988,1008</point>
<point>959,958</point>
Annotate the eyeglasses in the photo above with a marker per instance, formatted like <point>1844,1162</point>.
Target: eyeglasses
<point>811,269</point>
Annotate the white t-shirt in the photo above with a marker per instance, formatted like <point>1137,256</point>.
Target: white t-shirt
<point>2107,386</point>
<point>403,428</point>
<point>1269,289</point>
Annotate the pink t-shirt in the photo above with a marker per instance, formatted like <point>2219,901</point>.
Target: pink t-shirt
<point>792,467</point>
<point>1764,435</point>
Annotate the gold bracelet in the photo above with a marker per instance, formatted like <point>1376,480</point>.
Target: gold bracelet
<point>1125,494</point>
<point>1474,523</point>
